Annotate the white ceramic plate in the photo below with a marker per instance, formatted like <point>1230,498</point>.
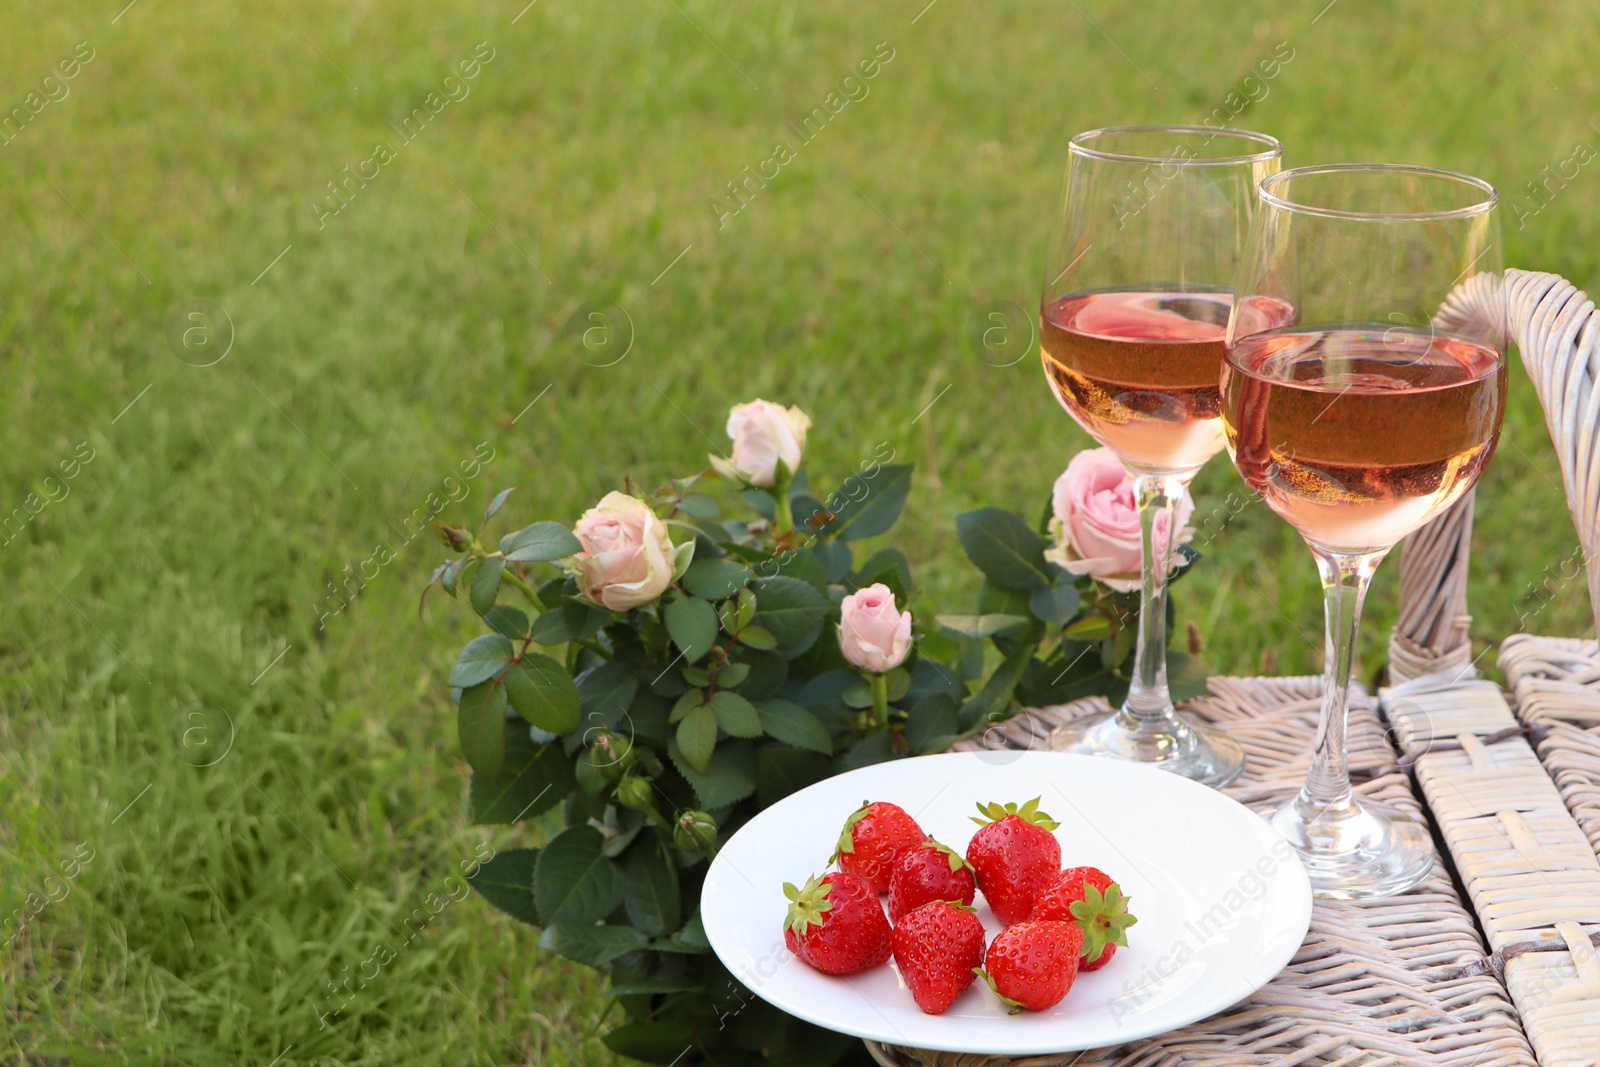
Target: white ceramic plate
<point>1222,901</point>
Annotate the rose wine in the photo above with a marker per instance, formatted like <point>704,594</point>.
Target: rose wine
<point>1139,371</point>
<point>1358,437</point>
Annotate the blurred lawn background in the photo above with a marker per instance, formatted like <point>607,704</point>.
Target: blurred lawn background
<point>184,572</point>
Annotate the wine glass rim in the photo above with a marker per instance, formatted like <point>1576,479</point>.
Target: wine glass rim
<point>1272,150</point>
<point>1491,194</point>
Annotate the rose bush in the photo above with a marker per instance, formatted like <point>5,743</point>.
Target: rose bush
<point>654,676</point>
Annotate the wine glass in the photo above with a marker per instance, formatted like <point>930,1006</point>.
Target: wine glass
<point>1136,301</point>
<point>1359,405</point>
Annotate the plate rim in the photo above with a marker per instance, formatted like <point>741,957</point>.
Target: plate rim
<point>1296,868</point>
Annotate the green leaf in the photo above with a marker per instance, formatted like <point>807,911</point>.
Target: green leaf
<point>1186,675</point>
<point>931,723</point>
<point>451,574</point>
<point>573,881</point>
<point>496,504</point>
<point>686,703</point>
<point>866,506</point>
<point>540,543</point>
<point>542,692</point>
<point>782,771</point>
<point>990,703</point>
<point>789,608</point>
<point>682,557</point>
<point>858,696</point>
<point>692,622</point>
<point>1004,548</point>
<point>889,566</point>
<point>482,659</point>
<point>979,627</point>
<point>998,600</point>
<point>606,692</point>
<point>768,671</point>
<point>486,584</point>
<point>697,736</point>
<point>1055,604</point>
<point>728,778</point>
<point>761,502</point>
<point>481,726</point>
<point>650,888</point>
<point>929,676</point>
<point>592,946</point>
<point>507,621</point>
<point>736,715</point>
<point>866,752</point>
<point>794,725</point>
<point>506,881</point>
<point>700,506</point>
<point>758,637</point>
<point>798,564</point>
<point>1092,627</point>
<point>533,779</point>
<point>650,989</point>
<point>713,579</point>
<point>733,675</point>
<point>652,1042</point>
<point>835,558</point>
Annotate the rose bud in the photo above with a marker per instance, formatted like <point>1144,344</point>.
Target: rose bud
<point>872,634</point>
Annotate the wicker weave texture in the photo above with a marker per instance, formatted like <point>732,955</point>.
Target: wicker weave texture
<point>1376,982</point>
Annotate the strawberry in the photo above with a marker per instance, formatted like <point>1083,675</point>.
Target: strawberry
<point>836,924</point>
<point>939,949</point>
<point>1015,855</point>
<point>926,872</point>
<point>1088,897</point>
<point>872,839</point>
<point>1032,964</point>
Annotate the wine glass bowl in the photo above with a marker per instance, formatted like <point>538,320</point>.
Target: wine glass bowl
<point>1136,302</point>
<point>1359,408</point>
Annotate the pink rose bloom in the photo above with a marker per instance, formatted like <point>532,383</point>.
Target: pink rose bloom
<point>872,634</point>
<point>763,433</point>
<point>1096,524</point>
<point>627,557</point>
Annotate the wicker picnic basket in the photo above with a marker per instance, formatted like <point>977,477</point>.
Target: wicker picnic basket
<point>1492,960</point>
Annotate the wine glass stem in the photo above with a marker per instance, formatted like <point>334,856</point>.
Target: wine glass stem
<point>1148,701</point>
<point>1326,794</point>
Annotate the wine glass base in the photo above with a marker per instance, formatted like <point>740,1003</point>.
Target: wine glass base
<point>1185,747</point>
<point>1358,851</point>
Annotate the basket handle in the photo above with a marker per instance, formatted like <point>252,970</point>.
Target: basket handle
<point>1554,325</point>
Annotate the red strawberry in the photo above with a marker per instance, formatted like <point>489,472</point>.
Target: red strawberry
<point>939,949</point>
<point>926,872</point>
<point>1033,964</point>
<point>1088,897</point>
<point>1015,855</point>
<point>836,924</point>
<point>873,838</point>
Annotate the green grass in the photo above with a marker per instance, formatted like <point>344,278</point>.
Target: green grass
<point>383,347</point>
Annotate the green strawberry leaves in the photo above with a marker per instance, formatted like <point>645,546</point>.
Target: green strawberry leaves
<point>957,860</point>
<point>807,905</point>
<point>1007,1001</point>
<point>1028,812</point>
<point>847,840</point>
<point>1103,918</point>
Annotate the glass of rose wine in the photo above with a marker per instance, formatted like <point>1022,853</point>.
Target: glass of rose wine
<point>1360,401</point>
<point>1137,293</point>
